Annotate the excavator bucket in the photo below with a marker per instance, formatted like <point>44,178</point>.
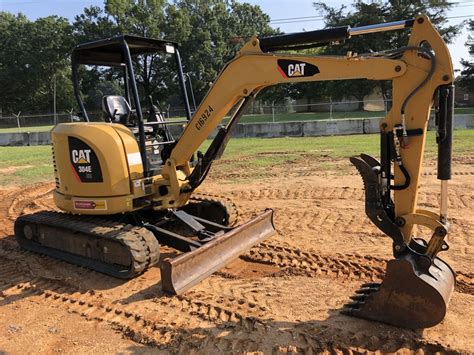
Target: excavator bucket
<point>408,297</point>
<point>417,288</point>
<point>181,273</point>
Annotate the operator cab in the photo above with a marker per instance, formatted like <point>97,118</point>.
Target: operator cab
<point>149,126</point>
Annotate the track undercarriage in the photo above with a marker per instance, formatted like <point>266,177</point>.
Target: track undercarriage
<point>126,245</point>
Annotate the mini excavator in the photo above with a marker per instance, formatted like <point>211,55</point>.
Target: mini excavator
<point>126,185</point>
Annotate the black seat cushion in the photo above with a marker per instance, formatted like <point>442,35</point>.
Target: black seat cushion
<point>117,108</point>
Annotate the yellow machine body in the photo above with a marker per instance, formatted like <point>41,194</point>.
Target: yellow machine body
<point>98,171</point>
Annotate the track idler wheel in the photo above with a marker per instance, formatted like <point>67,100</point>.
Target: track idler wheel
<point>410,296</point>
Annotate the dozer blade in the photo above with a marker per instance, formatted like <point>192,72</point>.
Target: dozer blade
<point>408,297</point>
<point>181,273</point>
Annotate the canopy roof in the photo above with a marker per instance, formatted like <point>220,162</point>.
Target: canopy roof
<point>109,51</point>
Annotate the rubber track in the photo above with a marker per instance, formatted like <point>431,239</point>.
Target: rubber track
<point>142,245</point>
<point>341,266</point>
<point>226,203</point>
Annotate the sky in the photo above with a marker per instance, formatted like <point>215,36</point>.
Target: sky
<point>276,9</point>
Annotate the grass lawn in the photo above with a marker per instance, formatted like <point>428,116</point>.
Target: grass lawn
<point>26,129</point>
<point>25,165</point>
<point>308,116</point>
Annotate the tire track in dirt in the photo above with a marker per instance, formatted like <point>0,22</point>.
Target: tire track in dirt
<point>456,173</point>
<point>162,327</point>
<point>292,220</point>
<point>182,322</point>
<point>22,198</point>
<point>295,261</point>
<point>305,173</point>
<point>236,294</point>
<point>336,266</point>
<point>298,193</point>
<point>456,199</point>
<point>160,330</point>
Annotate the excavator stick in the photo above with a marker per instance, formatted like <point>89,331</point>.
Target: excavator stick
<point>181,273</point>
<point>418,285</point>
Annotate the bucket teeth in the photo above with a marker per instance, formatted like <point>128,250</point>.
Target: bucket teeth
<point>357,297</point>
<point>350,310</point>
<point>371,284</point>
<point>366,290</point>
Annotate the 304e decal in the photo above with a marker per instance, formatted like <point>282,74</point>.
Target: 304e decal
<point>295,68</point>
<point>84,161</point>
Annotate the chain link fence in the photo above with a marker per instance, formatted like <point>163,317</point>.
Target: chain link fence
<point>258,112</point>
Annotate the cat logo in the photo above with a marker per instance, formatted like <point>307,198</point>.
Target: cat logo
<point>84,162</point>
<point>295,68</point>
<point>81,156</point>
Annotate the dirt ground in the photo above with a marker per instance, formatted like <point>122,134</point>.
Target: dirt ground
<point>283,296</point>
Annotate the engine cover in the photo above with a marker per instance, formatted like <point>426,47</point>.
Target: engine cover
<point>94,165</point>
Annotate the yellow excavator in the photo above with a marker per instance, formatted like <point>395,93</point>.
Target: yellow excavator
<point>127,185</point>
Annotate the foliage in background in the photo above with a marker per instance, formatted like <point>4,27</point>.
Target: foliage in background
<point>466,79</point>
<point>35,54</point>
<point>366,13</point>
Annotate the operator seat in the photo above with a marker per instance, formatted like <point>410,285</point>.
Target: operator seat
<point>117,109</point>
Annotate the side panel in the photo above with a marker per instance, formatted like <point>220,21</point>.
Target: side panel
<point>90,160</point>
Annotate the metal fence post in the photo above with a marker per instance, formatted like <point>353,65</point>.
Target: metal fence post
<point>273,111</point>
<point>54,101</point>
<point>18,120</point>
<point>330,107</point>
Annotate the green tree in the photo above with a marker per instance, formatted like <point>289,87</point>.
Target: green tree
<point>210,33</point>
<point>35,55</point>
<point>466,79</point>
<point>49,55</point>
<point>363,13</point>
<point>136,17</point>
<point>14,67</point>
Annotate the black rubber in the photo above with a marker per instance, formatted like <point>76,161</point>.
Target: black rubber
<point>309,38</point>
<point>215,208</point>
<point>139,243</point>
